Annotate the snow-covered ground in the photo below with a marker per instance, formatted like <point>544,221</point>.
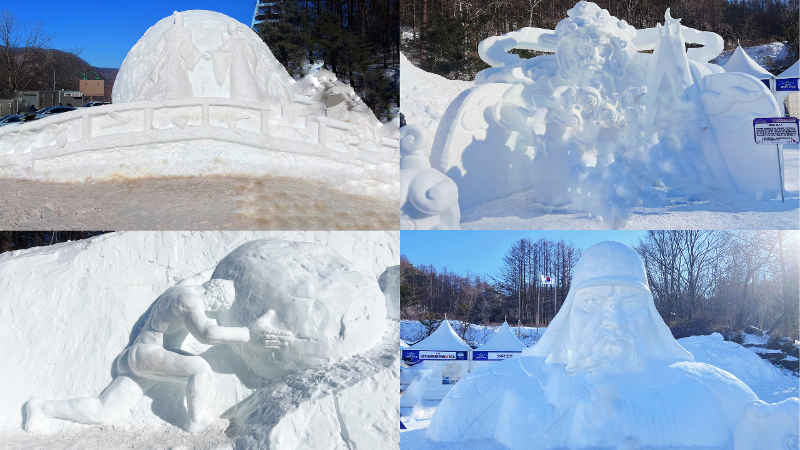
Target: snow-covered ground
<point>770,383</point>
<point>424,97</point>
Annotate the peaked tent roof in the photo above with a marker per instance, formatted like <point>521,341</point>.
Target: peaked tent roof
<point>403,344</point>
<point>741,62</point>
<point>503,340</point>
<point>793,71</point>
<point>444,338</point>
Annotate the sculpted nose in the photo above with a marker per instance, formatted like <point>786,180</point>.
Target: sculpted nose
<point>612,318</point>
<point>596,58</point>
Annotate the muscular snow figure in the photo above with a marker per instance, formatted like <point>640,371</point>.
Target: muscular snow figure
<point>155,355</point>
<point>606,373</point>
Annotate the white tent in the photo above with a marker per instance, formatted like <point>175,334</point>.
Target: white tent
<point>793,71</point>
<point>503,345</point>
<point>740,62</point>
<point>445,355</point>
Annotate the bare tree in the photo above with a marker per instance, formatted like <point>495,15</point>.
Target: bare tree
<point>23,51</point>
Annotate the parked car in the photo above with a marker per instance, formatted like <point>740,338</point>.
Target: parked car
<point>14,118</point>
<point>90,104</point>
<point>52,110</point>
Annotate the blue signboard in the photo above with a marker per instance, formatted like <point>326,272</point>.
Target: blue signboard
<point>766,82</point>
<point>776,130</point>
<point>494,356</point>
<point>434,355</point>
<point>786,84</point>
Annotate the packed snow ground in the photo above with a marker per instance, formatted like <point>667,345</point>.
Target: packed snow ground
<point>424,97</point>
<point>770,383</point>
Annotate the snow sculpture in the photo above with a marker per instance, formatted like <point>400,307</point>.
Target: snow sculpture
<point>175,55</point>
<point>599,124</point>
<point>334,310</point>
<point>238,57</point>
<point>428,199</point>
<point>608,373</point>
<point>155,355</point>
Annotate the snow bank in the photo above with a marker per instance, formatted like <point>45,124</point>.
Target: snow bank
<point>67,311</point>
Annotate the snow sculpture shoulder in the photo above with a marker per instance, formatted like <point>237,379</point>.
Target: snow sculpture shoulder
<point>599,124</point>
<point>428,199</point>
<point>607,373</point>
<point>166,62</point>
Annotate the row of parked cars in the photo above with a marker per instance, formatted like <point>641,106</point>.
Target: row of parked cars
<point>42,113</point>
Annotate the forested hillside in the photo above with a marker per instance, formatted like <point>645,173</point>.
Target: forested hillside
<point>443,35</point>
<point>359,40</point>
<point>702,281</point>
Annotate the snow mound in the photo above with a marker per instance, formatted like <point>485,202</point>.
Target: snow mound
<point>424,96</point>
<point>731,357</point>
<point>334,310</point>
<point>208,30</point>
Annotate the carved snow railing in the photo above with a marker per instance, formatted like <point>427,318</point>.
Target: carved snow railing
<point>152,122</point>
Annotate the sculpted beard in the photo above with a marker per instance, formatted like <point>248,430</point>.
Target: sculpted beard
<point>606,351</point>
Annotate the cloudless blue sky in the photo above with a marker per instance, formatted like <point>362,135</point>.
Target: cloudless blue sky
<point>482,251</point>
<point>109,33</point>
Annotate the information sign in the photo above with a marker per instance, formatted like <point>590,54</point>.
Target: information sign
<point>432,355</point>
<point>778,130</point>
<point>786,84</point>
<point>495,356</point>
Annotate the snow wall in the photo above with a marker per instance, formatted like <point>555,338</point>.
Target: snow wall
<point>66,312</point>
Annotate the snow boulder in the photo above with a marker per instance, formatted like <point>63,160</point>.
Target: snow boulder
<point>334,309</point>
<point>390,285</point>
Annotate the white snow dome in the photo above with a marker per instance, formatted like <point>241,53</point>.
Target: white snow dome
<point>209,31</point>
<point>503,340</point>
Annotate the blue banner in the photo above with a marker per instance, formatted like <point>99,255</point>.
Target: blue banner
<point>766,82</point>
<point>494,356</point>
<point>433,355</point>
<point>786,84</point>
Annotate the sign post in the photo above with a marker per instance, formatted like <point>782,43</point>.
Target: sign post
<point>777,131</point>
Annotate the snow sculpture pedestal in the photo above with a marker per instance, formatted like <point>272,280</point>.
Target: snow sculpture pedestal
<point>602,126</point>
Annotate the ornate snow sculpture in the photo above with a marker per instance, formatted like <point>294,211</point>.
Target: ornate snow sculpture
<point>335,310</point>
<point>601,125</point>
<point>155,355</point>
<point>608,373</point>
<point>165,63</point>
<point>428,199</point>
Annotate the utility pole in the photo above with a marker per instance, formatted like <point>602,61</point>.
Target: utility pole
<point>519,299</point>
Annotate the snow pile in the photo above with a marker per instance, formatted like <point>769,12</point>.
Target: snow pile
<point>351,405</point>
<point>424,96</point>
<point>68,310</point>
<point>333,310</point>
<point>208,31</point>
<point>390,285</point>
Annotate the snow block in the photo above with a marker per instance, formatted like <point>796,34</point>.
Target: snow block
<point>349,405</point>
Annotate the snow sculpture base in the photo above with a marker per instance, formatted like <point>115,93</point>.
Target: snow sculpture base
<point>351,405</point>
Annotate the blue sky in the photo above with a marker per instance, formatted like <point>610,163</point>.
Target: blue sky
<point>107,36</point>
<point>482,251</point>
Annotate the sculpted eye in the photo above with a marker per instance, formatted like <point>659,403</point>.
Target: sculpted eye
<point>605,51</point>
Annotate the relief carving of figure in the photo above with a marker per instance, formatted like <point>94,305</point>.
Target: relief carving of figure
<point>237,57</point>
<point>175,56</point>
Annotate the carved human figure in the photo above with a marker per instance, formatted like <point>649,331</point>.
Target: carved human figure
<point>606,373</point>
<point>175,56</point>
<point>238,58</point>
<point>155,356</point>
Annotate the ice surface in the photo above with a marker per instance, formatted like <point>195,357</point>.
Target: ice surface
<point>67,310</point>
<point>334,310</point>
<point>602,126</point>
<point>606,373</point>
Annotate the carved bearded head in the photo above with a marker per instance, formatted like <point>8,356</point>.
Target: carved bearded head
<point>594,47</point>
